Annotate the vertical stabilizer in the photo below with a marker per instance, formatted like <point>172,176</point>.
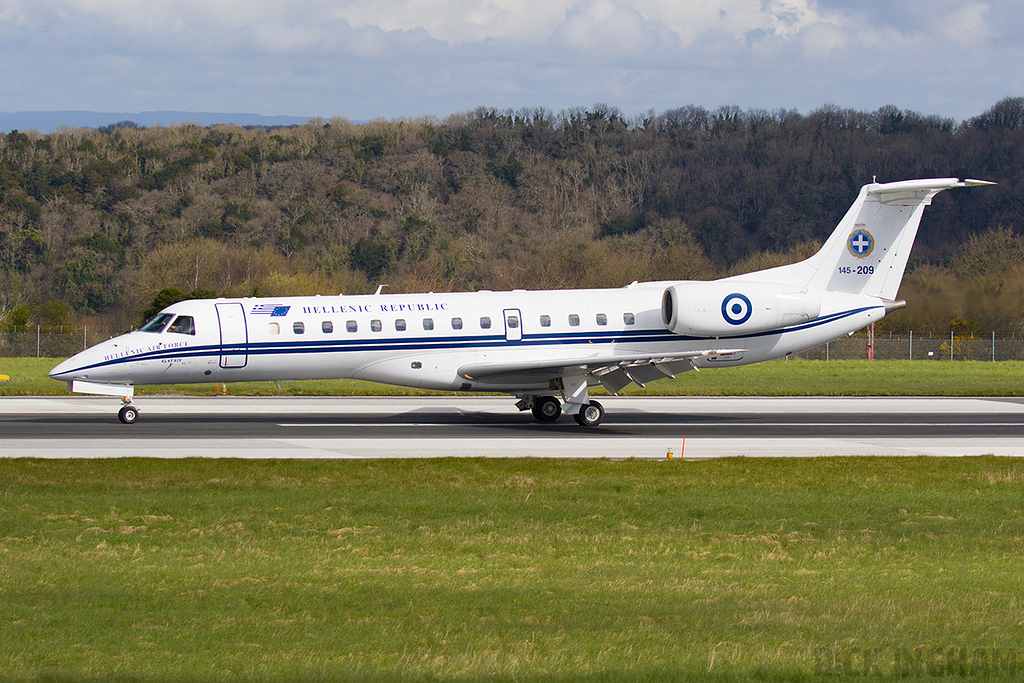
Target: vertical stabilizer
<point>868,251</point>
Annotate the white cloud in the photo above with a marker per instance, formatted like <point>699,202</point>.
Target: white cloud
<point>604,31</point>
<point>819,42</point>
<point>273,37</point>
<point>734,18</point>
<point>460,21</point>
<point>967,24</point>
<point>454,21</point>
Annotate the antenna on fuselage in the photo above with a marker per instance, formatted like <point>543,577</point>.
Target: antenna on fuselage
<point>379,287</point>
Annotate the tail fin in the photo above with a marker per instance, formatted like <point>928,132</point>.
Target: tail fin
<point>868,251</point>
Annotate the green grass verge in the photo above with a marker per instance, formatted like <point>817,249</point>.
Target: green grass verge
<point>774,378</point>
<point>511,570</point>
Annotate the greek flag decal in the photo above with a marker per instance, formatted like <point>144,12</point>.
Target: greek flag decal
<point>273,310</point>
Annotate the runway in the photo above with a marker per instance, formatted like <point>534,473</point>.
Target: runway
<point>403,427</point>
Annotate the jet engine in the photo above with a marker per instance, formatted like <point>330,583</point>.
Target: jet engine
<point>729,309</point>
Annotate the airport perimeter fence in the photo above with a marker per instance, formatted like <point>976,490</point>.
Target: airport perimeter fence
<point>920,347</point>
<point>40,343</point>
<point>61,344</point>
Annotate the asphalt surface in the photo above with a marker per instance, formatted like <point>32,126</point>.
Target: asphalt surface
<point>373,427</point>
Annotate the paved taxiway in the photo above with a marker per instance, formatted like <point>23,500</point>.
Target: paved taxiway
<point>635,427</point>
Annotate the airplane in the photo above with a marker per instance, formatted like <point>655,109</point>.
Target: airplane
<point>547,348</point>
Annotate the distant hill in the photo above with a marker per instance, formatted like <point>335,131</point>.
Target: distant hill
<point>49,121</point>
<point>99,224</point>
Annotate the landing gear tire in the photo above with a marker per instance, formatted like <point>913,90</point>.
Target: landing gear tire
<point>547,409</point>
<point>590,415</point>
<point>128,414</point>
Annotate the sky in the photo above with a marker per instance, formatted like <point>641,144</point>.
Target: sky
<point>412,58</point>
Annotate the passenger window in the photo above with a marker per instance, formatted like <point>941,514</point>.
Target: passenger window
<point>275,328</point>
<point>183,325</point>
<point>400,325</point>
<point>327,326</point>
<point>428,324</point>
<point>156,323</point>
<point>298,328</point>
<point>513,322</point>
<point>545,321</point>
<point>456,323</point>
<point>628,318</point>
<point>602,319</point>
<point>351,326</point>
<point>485,323</point>
<point>574,320</point>
<point>375,326</point>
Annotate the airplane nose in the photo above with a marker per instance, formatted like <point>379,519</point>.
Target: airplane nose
<point>76,367</point>
<point>63,371</point>
<point>91,364</point>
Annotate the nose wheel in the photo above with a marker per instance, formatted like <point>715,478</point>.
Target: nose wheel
<point>128,414</point>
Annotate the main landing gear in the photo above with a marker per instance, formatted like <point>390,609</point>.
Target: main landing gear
<point>590,415</point>
<point>549,409</point>
<point>546,408</point>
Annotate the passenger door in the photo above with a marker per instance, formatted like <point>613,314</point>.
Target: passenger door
<point>234,336</point>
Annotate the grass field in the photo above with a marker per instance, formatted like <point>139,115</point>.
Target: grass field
<point>774,378</point>
<point>521,570</point>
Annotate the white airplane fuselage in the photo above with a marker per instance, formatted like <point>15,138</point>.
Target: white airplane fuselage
<point>423,340</point>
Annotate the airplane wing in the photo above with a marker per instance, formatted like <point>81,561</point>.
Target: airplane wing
<point>614,372</point>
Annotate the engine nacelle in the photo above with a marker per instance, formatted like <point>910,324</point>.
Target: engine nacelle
<point>729,309</point>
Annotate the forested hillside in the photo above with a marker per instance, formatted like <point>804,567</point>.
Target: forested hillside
<point>96,222</point>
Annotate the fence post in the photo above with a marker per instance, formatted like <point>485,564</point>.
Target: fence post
<point>85,337</point>
<point>993,346</point>
<point>37,341</point>
<point>911,345</point>
<point>951,345</point>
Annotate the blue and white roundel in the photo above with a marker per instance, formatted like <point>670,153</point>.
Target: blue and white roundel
<point>860,243</point>
<point>736,309</point>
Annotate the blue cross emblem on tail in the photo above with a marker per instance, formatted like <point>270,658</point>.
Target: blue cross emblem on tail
<point>860,243</point>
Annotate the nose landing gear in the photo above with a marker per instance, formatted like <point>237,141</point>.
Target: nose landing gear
<point>128,413</point>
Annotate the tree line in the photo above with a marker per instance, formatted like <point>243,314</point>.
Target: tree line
<point>97,222</point>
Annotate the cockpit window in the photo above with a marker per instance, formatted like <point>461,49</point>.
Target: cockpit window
<point>183,325</point>
<point>157,322</point>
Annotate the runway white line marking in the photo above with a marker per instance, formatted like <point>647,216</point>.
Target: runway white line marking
<point>678,424</point>
<point>370,424</point>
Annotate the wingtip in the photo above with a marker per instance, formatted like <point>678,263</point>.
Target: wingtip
<point>971,182</point>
